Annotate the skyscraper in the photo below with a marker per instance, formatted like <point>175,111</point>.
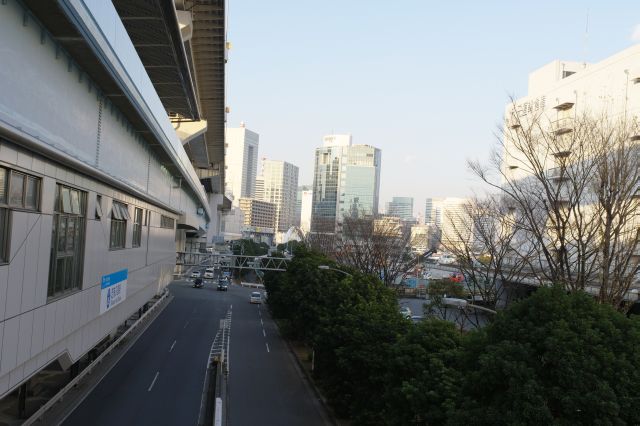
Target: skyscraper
<point>306,202</point>
<point>401,207</point>
<point>346,182</point>
<point>280,187</point>
<point>298,213</point>
<point>241,162</point>
<point>433,211</point>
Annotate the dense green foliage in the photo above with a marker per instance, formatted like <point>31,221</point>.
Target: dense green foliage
<point>550,359</point>
<point>553,358</point>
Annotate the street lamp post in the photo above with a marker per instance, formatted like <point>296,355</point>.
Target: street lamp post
<point>328,268</point>
<point>462,304</point>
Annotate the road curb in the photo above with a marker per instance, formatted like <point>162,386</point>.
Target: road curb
<point>316,391</point>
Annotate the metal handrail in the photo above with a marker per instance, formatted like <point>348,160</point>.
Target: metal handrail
<point>37,416</point>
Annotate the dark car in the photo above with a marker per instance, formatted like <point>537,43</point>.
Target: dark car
<point>197,283</point>
<point>223,285</point>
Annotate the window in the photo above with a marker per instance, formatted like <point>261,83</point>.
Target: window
<point>24,190</point>
<point>119,217</point>
<point>166,222</point>
<point>98,207</point>
<point>67,241</point>
<point>137,227</point>
<point>17,190</point>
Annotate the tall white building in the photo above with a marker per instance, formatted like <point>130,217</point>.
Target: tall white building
<point>306,201</point>
<point>241,162</point>
<point>280,188</point>
<point>346,182</point>
<point>448,217</point>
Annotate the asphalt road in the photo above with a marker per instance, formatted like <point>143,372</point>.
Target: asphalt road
<point>160,380</point>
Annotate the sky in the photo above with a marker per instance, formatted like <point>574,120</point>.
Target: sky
<point>425,81</point>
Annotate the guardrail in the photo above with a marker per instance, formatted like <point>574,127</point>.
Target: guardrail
<point>37,416</point>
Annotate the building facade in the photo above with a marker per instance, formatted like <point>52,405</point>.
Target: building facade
<point>346,183</point>
<point>280,188</point>
<point>306,203</point>
<point>259,214</point>
<point>401,207</point>
<point>97,192</point>
<point>241,163</point>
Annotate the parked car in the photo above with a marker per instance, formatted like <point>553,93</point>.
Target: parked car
<point>405,311</point>
<point>198,283</point>
<point>447,259</point>
<point>196,274</point>
<point>256,297</point>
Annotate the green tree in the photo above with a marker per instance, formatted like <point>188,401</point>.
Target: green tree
<point>353,345</point>
<point>422,378</point>
<point>553,359</point>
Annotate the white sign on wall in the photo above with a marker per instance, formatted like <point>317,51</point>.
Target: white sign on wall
<point>113,289</point>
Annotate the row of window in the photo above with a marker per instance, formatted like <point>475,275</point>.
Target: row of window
<point>22,191</point>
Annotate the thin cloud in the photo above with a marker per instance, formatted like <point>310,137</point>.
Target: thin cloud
<point>635,36</point>
<point>409,159</point>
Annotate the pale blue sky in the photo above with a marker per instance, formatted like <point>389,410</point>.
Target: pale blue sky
<point>424,81</point>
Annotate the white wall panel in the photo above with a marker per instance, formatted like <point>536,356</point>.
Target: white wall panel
<point>4,276</point>
<point>32,245</point>
<point>24,337</point>
<point>9,345</point>
<point>37,338</point>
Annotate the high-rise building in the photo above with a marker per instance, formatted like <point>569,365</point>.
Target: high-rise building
<point>454,226</point>
<point>259,192</point>
<point>305,210</point>
<point>401,207</point>
<point>298,214</point>
<point>346,182</point>
<point>258,213</point>
<point>241,162</point>
<point>433,211</point>
<point>280,187</point>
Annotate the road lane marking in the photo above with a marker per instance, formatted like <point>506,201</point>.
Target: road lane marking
<point>261,323</point>
<point>154,381</point>
<point>174,343</point>
<point>186,324</point>
<point>263,333</point>
<point>267,347</point>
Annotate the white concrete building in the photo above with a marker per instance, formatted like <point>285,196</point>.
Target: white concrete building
<point>97,190</point>
<point>280,188</point>
<point>306,201</point>
<point>562,90</point>
<point>447,217</point>
<point>241,162</point>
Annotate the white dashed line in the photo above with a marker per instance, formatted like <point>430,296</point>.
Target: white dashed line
<point>261,323</point>
<point>174,343</point>
<point>267,347</point>
<point>154,381</point>
<point>186,324</point>
<point>263,333</point>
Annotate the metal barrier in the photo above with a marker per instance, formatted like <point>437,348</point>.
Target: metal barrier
<point>214,389</point>
<point>37,416</point>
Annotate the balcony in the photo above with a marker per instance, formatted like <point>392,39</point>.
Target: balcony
<point>557,173</point>
<point>562,125</point>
